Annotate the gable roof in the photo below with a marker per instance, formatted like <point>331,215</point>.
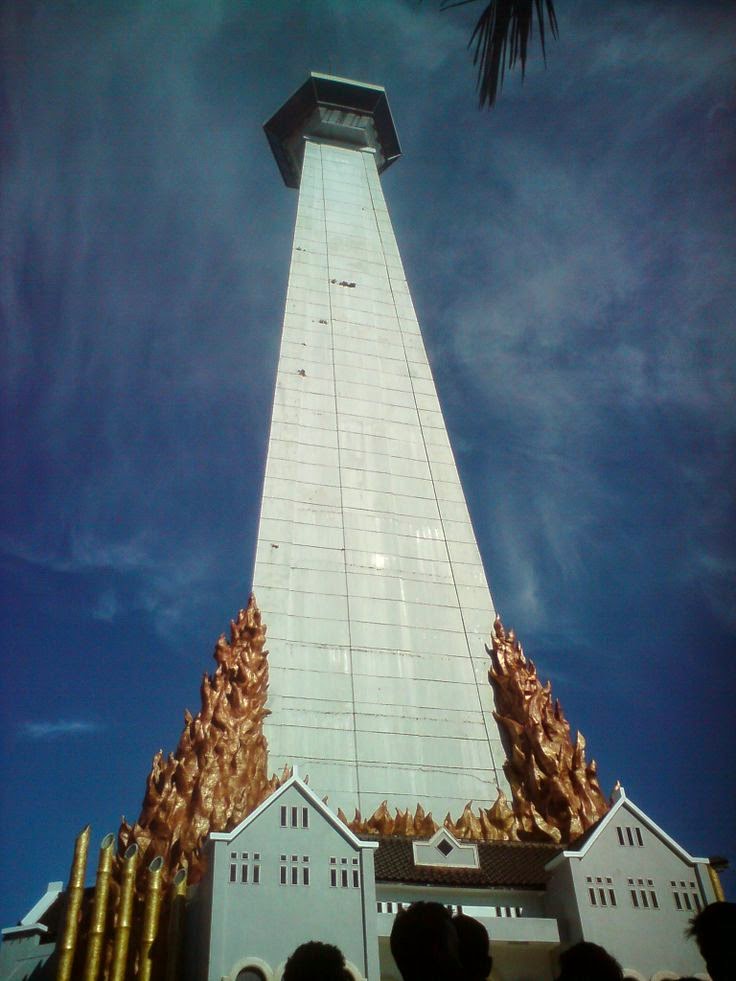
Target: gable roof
<point>309,795</point>
<point>621,802</point>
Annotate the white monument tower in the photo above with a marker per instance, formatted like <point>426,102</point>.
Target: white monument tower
<point>367,570</point>
<point>369,579</point>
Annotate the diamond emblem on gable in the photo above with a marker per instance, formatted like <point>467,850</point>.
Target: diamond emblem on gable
<point>445,847</point>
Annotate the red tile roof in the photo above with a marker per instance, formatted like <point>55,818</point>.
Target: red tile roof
<point>503,864</point>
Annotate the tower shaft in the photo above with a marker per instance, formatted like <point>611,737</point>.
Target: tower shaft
<point>367,570</point>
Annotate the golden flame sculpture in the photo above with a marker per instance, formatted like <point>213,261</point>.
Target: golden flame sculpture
<point>219,772</point>
<point>556,794</point>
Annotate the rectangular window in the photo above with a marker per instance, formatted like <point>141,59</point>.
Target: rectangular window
<point>283,817</point>
<point>290,865</point>
<point>305,817</point>
<point>244,868</point>
<point>294,817</point>
<point>630,837</point>
<point>333,878</point>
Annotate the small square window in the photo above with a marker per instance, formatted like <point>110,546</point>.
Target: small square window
<point>445,847</point>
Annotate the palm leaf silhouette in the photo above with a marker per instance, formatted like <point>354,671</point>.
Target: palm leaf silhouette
<point>504,28</point>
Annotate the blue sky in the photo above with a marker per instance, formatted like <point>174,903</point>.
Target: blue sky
<point>571,257</point>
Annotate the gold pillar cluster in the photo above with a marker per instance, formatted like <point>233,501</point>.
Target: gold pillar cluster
<point>219,772</point>
<point>556,794</point>
<point>109,933</point>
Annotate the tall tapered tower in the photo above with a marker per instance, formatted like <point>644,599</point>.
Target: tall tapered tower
<point>367,569</point>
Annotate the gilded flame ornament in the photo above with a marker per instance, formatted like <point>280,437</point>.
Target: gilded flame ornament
<point>219,772</point>
<point>556,794</point>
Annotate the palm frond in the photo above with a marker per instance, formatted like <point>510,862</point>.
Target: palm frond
<point>504,28</point>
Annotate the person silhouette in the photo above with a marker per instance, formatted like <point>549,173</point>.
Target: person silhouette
<point>425,945</point>
<point>316,961</point>
<point>585,961</point>
<point>714,929</point>
<point>474,947</point>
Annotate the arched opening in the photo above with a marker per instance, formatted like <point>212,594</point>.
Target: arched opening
<point>250,969</point>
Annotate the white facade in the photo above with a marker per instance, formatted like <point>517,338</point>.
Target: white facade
<point>367,571</point>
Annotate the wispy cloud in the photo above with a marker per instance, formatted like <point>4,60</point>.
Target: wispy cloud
<point>59,729</point>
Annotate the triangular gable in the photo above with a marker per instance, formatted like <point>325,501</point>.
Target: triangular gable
<point>621,801</point>
<point>31,921</point>
<point>306,792</point>
<point>444,850</point>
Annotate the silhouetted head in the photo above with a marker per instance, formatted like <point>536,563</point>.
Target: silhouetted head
<point>315,961</point>
<point>425,945</point>
<point>714,929</point>
<point>474,947</point>
<point>589,962</point>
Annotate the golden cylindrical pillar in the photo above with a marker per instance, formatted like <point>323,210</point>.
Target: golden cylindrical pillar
<point>151,913</point>
<point>715,881</point>
<point>96,935</point>
<point>178,898</point>
<point>125,909</point>
<point>74,896</point>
